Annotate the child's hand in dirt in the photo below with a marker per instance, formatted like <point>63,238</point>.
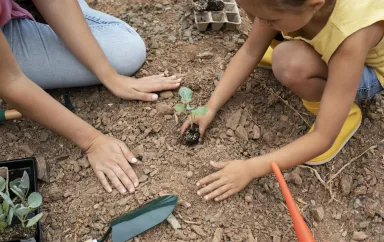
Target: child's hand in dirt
<point>141,89</point>
<point>232,177</point>
<point>109,157</point>
<point>202,120</point>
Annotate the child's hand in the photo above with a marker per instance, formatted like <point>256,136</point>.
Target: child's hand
<point>202,120</point>
<point>232,178</point>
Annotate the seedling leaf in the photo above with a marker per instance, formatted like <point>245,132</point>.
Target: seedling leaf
<point>2,184</point>
<point>34,200</point>
<point>200,110</point>
<point>34,220</point>
<point>2,217</point>
<point>5,207</point>
<point>17,191</point>
<point>24,182</point>
<point>21,210</point>
<point>185,94</point>
<point>180,107</point>
<point>3,225</point>
<point>6,199</point>
<point>10,216</point>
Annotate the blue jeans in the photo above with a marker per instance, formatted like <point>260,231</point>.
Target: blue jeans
<point>369,85</point>
<point>45,59</point>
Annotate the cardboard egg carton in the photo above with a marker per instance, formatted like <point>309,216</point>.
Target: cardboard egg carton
<point>228,18</point>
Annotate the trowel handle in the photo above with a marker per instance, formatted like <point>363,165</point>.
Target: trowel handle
<point>91,240</point>
<point>9,115</point>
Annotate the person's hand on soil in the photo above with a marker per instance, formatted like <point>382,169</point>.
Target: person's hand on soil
<point>129,88</point>
<point>110,158</point>
<point>232,177</point>
<point>202,120</point>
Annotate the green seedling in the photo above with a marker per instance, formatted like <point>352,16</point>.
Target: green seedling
<point>192,136</point>
<point>27,205</point>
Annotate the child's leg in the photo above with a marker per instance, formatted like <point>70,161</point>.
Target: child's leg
<point>297,66</point>
<point>45,59</point>
<point>300,68</point>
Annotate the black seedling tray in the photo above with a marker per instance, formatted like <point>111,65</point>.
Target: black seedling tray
<point>16,169</point>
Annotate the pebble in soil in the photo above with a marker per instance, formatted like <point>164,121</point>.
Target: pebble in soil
<point>192,135</point>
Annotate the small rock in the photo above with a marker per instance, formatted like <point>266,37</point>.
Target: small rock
<point>344,233</point>
<point>11,136</point>
<point>230,133</point>
<point>138,151</point>
<point>361,190</point>
<point>124,201</point>
<point>189,174</point>
<point>152,113</point>
<point>173,222</point>
<point>284,118</point>
<point>205,55</point>
<point>256,132</point>
<point>166,94</point>
<point>233,120</point>
<point>248,198</point>
<point>198,230</point>
<point>364,224</point>
<point>357,204</point>
<point>346,184</point>
<point>295,176</point>
<point>318,214</point>
<point>147,171</point>
<point>84,163</point>
<point>164,109</point>
<point>359,236</point>
<point>250,237</point>
<point>218,235</point>
<point>43,136</point>
<point>172,39</point>
<point>158,6</point>
<point>276,237</point>
<point>153,173</point>
<point>26,149</point>
<point>55,193</point>
<point>241,133</point>
<point>143,178</point>
<point>157,127</point>
<point>98,226</point>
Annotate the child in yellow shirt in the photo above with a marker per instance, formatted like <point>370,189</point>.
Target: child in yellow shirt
<point>335,54</point>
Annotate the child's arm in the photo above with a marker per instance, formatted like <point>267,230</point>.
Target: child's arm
<point>345,69</point>
<point>242,64</point>
<point>239,68</point>
<point>108,156</point>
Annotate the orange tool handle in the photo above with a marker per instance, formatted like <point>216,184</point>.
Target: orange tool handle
<point>303,233</point>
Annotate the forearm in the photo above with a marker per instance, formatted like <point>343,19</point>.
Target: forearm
<point>240,67</point>
<point>242,64</point>
<point>296,153</point>
<point>66,19</point>
<point>34,103</point>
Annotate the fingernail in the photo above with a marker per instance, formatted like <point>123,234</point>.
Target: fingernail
<point>109,190</point>
<point>134,160</point>
<point>198,193</point>
<point>136,184</point>
<point>177,84</point>
<point>206,197</point>
<point>155,97</point>
<point>131,190</point>
<point>123,191</point>
<point>198,184</point>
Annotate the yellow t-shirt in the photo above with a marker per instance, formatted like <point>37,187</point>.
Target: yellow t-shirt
<point>348,17</point>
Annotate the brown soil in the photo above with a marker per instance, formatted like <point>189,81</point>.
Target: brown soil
<point>78,208</point>
<point>17,232</point>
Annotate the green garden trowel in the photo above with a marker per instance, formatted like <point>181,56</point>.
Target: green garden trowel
<point>139,220</point>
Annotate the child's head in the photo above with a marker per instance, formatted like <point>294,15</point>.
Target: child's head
<point>285,15</point>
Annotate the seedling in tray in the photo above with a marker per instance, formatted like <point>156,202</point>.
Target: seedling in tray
<point>192,135</point>
<point>21,206</point>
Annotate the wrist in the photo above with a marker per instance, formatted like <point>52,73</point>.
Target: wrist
<point>212,107</point>
<point>106,74</point>
<point>89,139</point>
<point>258,167</point>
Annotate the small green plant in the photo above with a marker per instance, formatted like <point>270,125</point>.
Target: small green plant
<point>10,208</point>
<point>184,107</point>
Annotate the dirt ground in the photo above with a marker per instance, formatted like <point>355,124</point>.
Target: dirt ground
<point>77,207</point>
